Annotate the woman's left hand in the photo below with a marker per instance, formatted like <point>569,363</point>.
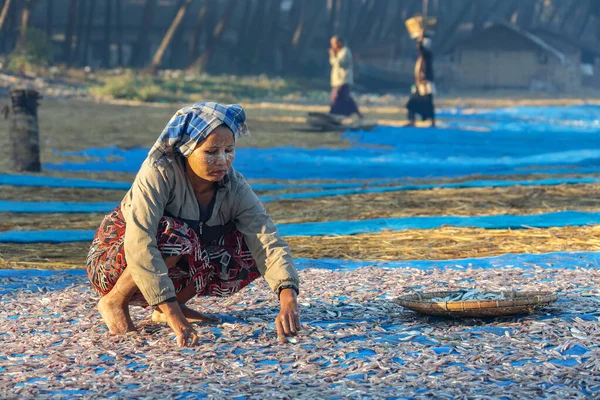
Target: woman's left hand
<point>288,320</point>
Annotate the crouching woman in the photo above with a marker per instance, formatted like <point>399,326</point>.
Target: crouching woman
<point>190,226</point>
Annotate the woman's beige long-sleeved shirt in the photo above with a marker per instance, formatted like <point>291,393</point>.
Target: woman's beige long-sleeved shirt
<point>164,189</point>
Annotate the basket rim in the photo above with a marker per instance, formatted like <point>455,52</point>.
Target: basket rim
<point>419,301</point>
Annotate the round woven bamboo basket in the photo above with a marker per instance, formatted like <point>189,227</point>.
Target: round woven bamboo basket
<point>513,303</point>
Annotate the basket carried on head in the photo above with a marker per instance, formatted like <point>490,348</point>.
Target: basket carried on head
<point>417,25</point>
<point>513,303</point>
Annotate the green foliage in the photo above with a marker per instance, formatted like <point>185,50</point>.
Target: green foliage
<point>132,87</point>
<point>178,87</point>
<point>36,51</point>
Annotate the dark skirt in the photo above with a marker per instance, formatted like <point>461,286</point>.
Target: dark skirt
<point>422,105</point>
<point>219,268</point>
<point>341,101</point>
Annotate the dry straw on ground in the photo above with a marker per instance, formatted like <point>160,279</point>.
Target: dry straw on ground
<point>434,244</point>
<point>446,243</point>
<point>479,201</point>
<point>465,202</point>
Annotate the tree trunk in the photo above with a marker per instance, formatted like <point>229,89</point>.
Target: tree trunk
<point>107,28</point>
<point>141,51</point>
<point>119,31</point>
<point>24,131</point>
<point>202,62</point>
<point>68,44</point>
<point>29,6</point>
<point>197,32</point>
<point>164,45</point>
<point>88,33</point>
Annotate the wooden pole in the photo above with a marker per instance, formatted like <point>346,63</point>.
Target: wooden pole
<point>4,13</point>
<point>160,52</point>
<point>24,131</point>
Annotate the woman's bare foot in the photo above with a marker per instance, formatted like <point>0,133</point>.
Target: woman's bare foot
<point>115,316</point>
<point>190,315</point>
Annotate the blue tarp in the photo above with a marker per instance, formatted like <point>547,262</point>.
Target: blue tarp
<point>54,207</point>
<point>563,218</point>
<point>50,181</point>
<point>555,260</point>
<point>460,185</point>
<point>527,140</point>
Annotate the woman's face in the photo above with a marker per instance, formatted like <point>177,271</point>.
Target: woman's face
<point>212,158</point>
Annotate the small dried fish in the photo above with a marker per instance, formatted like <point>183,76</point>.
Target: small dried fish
<point>472,294</point>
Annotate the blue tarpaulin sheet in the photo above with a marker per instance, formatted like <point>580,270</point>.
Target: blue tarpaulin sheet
<point>520,141</point>
<point>54,207</point>
<point>50,181</point>
<point>555,260</point>
<point>563,218</point>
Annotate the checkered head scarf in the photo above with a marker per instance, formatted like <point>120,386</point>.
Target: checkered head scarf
<point>191,125</point>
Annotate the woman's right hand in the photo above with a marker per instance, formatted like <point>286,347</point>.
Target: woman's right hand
<point>186,334</point>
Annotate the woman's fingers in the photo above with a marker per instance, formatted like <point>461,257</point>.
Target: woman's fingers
<point>291,323</point>
<point>280,331</point>
<point>296,316</point>
<point>188,337</point>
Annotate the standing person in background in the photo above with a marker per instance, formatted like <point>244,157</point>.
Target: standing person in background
<point>340,59</point>
<point>421,98</point>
